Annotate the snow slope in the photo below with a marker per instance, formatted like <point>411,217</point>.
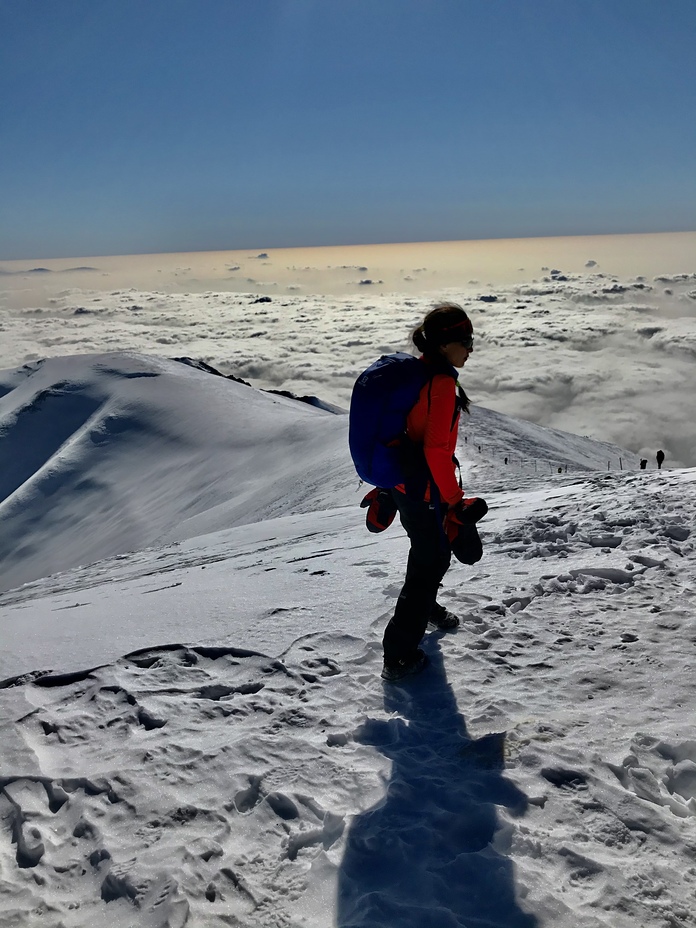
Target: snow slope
<point>196,733</point>
<point>103,454</point>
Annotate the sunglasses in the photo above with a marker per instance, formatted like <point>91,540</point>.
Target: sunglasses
<point>467,343</point>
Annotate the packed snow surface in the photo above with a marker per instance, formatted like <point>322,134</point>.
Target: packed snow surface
<point>194,730</point>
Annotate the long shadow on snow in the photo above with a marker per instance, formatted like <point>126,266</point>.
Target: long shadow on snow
<point>423,856</point>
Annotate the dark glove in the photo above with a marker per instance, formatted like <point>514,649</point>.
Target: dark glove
<point>470,510</point>
<point>381,509</point>
<point>461,531</point>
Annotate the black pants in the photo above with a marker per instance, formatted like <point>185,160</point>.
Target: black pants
<point>428,561</point>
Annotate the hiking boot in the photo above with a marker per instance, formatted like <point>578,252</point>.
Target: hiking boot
<point>405,668</point>
<point>443,619</point>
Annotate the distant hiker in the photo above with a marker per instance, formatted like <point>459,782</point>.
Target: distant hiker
<point>659,457</point>
<point>430,500</point>
<point>643,463</point>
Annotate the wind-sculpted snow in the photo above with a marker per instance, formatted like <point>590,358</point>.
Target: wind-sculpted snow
<point>242,763</point>
<point>109,453</point>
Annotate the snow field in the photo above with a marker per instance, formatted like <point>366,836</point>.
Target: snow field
<point>193,727</point>
<point>540,772</point>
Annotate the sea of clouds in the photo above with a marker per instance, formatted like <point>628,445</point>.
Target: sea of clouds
<point>590,352</point>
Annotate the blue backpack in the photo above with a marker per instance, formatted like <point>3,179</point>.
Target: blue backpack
<point>382,398</point>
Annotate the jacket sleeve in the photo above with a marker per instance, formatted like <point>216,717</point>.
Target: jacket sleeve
<point>439,438</point>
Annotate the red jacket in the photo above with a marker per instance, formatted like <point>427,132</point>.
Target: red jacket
<point>433,423</point>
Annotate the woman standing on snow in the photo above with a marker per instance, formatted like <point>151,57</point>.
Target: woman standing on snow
<point>446,341</point>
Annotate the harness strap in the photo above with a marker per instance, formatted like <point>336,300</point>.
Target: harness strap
<point>456,463</point>
<point>435,504</point>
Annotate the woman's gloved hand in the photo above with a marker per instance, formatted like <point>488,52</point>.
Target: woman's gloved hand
<point>469,510</point>
<point>461,531</point>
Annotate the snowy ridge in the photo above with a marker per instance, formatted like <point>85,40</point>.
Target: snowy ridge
<point>503,452</point>
<point>196,733</point>
<point>104,454</point>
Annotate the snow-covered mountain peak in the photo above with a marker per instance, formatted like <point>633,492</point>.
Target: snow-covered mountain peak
<point>102,454</point>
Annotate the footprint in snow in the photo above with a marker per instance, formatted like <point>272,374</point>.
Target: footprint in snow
<point>662,773</point>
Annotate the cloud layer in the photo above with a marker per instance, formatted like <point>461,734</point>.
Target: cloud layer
<point>608,357</point>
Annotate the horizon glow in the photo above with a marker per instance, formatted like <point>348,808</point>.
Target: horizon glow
<point>177,127</point>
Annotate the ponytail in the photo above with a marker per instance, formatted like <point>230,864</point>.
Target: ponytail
<point>419,340</point>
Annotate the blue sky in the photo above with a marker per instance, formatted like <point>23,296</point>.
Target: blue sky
<point>182,125</point>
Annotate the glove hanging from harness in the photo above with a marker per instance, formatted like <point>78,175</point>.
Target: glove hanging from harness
<point>381,509</point>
